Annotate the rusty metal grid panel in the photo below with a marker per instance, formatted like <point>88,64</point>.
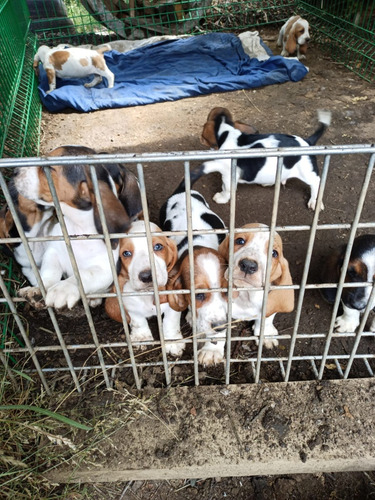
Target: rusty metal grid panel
<point>109,357</point>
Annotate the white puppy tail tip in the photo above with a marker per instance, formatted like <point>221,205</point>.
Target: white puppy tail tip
<point>324,117</point>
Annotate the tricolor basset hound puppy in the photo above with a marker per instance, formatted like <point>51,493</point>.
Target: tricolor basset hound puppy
<point>135,275</point>
<point>221,130</point>
<point>73,62</point>
<point>209,269</point>
<point>361,269</point>
<point>294,36</point>
<point>36,220</point>
<point>249,270</point>
<point>120,195</point>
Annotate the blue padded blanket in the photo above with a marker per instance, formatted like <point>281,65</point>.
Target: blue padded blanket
<point>171,70</point>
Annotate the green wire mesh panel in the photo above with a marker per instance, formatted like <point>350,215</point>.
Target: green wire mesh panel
<point>20,108</point>
<point>346,31</point>
<point>98,21</point>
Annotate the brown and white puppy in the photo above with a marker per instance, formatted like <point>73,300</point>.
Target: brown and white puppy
<point>209,269</point>
<point>249,269</point>
<point>361,269</point>
<point>121,203</point>
<point>209,132</point>
<point>135,275</point>
<point>73,62</point>
<point>294,36</point>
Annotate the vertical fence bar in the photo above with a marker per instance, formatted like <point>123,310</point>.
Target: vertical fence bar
<point>114,273</point>
<point>267,283</point>
<point>361,201</point>
<point>232,219</point>
<point>153,269</point>
<point>191,269</point>
<point>77,276</point>
<point>306,267</point>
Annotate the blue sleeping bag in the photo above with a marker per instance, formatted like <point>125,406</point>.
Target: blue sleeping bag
<point>171,70</point>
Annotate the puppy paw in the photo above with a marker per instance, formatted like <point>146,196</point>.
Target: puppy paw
<point>312,205</point>
<point>301,57</point>
<point>175,349</point>
<point>210,354</point>
<point>33,296</point>
<point>270,343</point>
<point>343,324</point>
<point>63,294</point>
<point>94,302</point>
<point>141,335</point>
<point>221,198</point>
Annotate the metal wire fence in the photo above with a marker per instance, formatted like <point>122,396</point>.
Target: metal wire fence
<point>108,353</point>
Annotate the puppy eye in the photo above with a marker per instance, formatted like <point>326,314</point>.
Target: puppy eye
<point>127,253</point>
<point>275,254</point>
<point>158,247</point>
<point>200,297</point>
<point>239,241</point>
<point>352,273</point>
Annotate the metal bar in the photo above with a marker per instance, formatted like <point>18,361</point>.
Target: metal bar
<point>361,201</point>
<point>114,274</point>
<point>269,264</point>
<point>306,268</point>
<point>153,269</point>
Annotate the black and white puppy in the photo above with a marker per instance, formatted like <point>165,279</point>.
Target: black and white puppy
<point>361,269</point>
<point>209,270</point>
<point>220,129</point>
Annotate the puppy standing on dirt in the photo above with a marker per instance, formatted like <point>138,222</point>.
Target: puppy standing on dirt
<point>121,203</point>
<point>209,269</point>
<point>73,62</point>
<point>361,269</point>
<point>220,129</point>
<point>135,276</point>
<point>294,36</point>
<point>249,269</point>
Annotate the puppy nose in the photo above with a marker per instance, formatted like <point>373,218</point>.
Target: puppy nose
<point>218,326</point>
<point>145,276</point>
<point>248,266</point>
<point>307,40</point>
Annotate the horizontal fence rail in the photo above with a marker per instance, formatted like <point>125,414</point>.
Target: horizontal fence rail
<point>118,354</point>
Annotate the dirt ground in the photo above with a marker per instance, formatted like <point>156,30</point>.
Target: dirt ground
<point>176,126</point>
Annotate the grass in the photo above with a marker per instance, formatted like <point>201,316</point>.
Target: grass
<point>39,433</point>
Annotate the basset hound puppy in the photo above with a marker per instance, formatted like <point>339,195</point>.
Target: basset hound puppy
<point>135,275</point>
<point>73,62</point>
<point>208,137</point>
<point>221,130</point>
<point>121,199</point>
<point>249,270</point>
<point>361,269</point>
<point>294,36</point>
<point>209,269</point>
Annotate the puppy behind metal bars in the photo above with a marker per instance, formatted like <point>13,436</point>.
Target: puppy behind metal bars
<point>220,129</point>
<point>135,275</point>
<point>120,196</point>
<point>209,269</point>
<point>361,269</point>
<point>249,269</point>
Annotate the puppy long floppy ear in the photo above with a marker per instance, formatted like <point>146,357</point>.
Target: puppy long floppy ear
<point>129,194</point>
<point>178,302</point>
<point>281,300</point>
<point>291,42</point>
<point>172,254</point>
<point>208,137</point>
<point>245,128</point>
<point>331,273</point>
<point>112,307</point>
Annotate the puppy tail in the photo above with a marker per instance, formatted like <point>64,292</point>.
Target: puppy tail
<point>195,174</point>
<point>324,118</point>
